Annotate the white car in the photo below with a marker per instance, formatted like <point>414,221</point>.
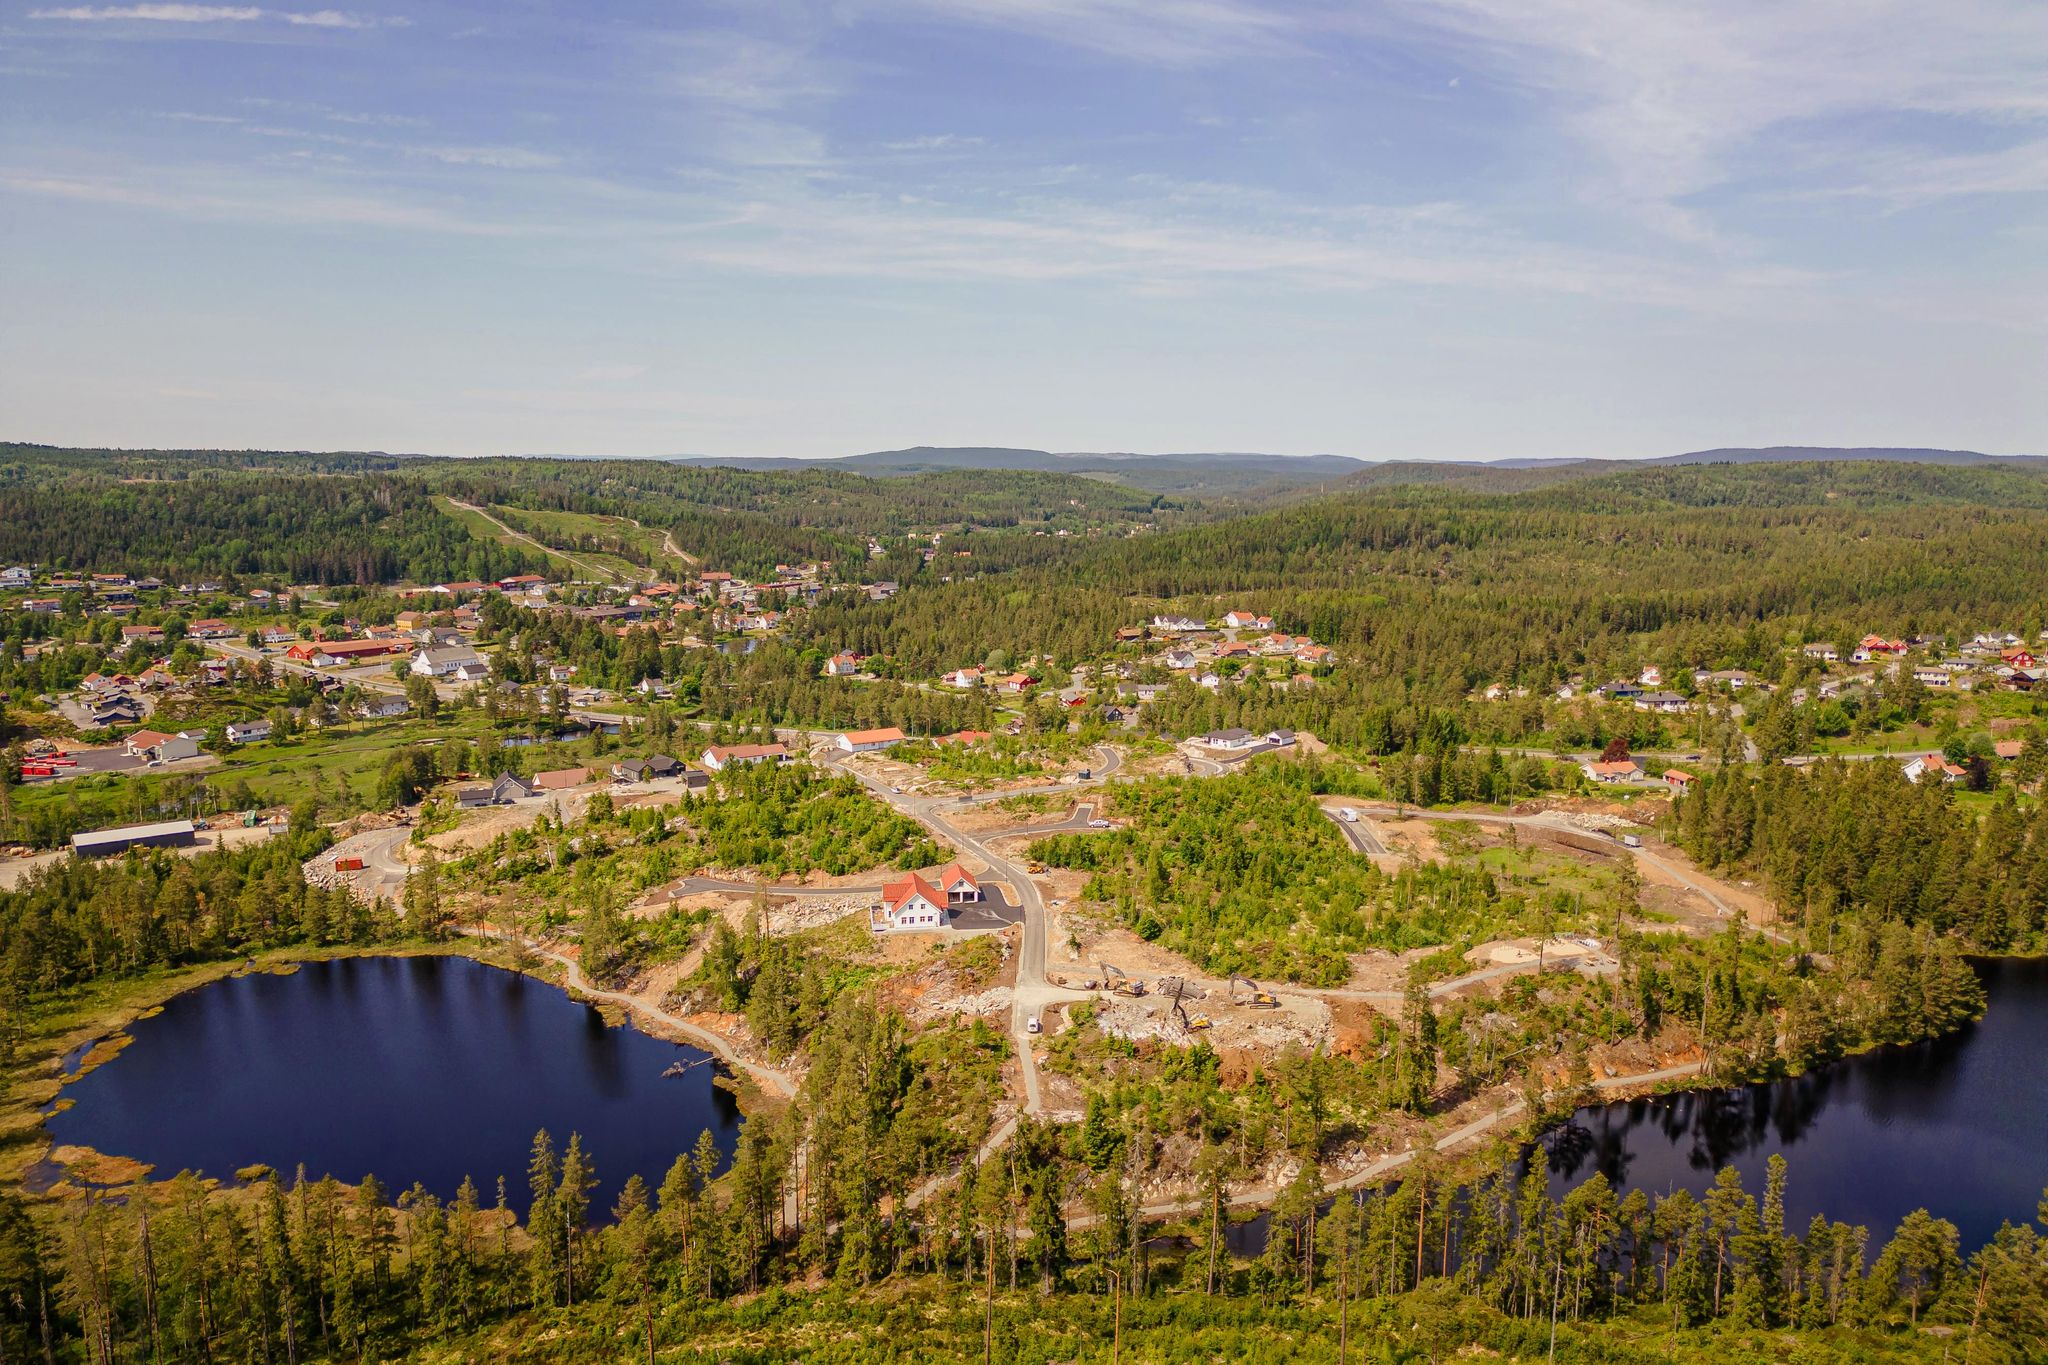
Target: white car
<point>1033,1026</point>
<point>1098,823</point>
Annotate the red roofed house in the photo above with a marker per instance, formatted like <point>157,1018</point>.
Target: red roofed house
<point>1619,770</point>
<point>867,741</point>
<point>558,779</point>
<point>959,885</point>
<point>2008,748</point>
<point>962,737</point>
<point>1938,764</point>
<point>911,904</point>
<point>718,756</point>
<point>1678,779</point>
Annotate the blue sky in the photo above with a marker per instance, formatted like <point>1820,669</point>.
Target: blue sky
<point>1405,229</point>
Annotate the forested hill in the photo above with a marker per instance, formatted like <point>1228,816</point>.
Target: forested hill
<point>369,517</point>
<point>1435,589</point>
<point>301,527</point>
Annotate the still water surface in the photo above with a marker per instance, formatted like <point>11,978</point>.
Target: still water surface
<point>411,1068</point>
<point>1958,1126</point>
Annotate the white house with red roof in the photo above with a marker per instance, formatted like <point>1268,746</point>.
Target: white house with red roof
<point>868,741</point>
<point>912,904</point>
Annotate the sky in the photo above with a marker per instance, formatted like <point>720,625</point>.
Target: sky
<point>1391,229</point>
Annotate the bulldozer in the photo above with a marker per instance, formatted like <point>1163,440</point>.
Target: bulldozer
<point>1259,999</point>
<point>1120,981</point>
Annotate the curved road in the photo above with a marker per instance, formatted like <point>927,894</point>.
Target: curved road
<point>1032,992</point>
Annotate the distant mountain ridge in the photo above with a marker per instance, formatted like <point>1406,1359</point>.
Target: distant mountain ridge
<point>1244,471</point>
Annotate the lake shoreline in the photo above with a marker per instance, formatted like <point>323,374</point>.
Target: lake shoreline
<point>87,1031</point>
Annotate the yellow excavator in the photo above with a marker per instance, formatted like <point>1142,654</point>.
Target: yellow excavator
<point>1120,981</point>
<point>1260,999</point>
<point>1187,1025</point>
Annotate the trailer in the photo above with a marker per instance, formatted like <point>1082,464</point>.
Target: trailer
<point>348,864</point>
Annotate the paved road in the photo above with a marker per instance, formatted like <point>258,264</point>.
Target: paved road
<point>1362,836</point>
<point>692,886</point>
<point>1033,993</point>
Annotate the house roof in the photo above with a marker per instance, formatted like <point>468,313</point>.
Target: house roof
<point>896,894</point>
<point>884,735</point>
<point>952,873</point>
<point>1615,768</point>
<point>963,737</point>
<point>149,739</point>
<point>555,779</point>
<point>726,752</point>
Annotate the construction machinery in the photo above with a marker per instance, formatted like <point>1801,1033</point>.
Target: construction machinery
<point>1260,999</point>
<point>1120,981</point>
<point>1187,1024</point>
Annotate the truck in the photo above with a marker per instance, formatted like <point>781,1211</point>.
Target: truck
<point>1631,841</point>
<point>1347,815</point>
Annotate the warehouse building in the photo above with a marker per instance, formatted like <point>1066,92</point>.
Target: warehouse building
<point>101,843</point>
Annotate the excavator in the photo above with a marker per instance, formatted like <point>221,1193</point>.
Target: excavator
<point>1187,1025</point>
<point>1120,981</point>
<point>1260,999</point>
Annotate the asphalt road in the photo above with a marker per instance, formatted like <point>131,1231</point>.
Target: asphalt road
<point>1360,833</point>
<point>1033,993</point>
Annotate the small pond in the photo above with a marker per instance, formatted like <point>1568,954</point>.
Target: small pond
<point>412,1068</point>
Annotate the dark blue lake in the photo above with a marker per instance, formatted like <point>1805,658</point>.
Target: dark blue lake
<point>411,1068</point>
<point>1958,1127</point>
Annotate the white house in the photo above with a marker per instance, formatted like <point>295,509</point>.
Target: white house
<point>248,732</point>
<point>1180,625</point>
<point>718,756</point>
<point>1246,620</point>
<point>1919,767</point>
<point>912,904</point>
<point>844,664</point>
<point>1229,739</point>
<point>158,747</point>
<point>868,741</point>
<point>963,678</point>
<point>16,577</point>
<point>447,663</point>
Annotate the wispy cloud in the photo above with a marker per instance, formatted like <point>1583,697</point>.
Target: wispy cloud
<point>215,14</point>
<point>936,142</point>
<point>1155,32</point>
<point>1676,100</point>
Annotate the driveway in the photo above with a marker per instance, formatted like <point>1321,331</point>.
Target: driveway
<point>996,910</point>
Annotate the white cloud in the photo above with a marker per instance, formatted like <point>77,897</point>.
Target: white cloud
<point>1674,100</point>
<point>1156,32</point>
<point>936,142</point>
<point>498,158</point>
<point>215,14</point>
